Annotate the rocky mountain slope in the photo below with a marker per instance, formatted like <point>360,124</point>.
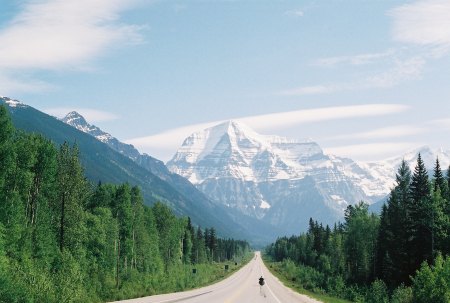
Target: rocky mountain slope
<point>283,181</point>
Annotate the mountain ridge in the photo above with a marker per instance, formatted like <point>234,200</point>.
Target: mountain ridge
<point>269,177</point>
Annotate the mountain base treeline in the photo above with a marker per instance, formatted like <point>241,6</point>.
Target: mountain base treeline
<point>396,257</point>
<point>64,239</point>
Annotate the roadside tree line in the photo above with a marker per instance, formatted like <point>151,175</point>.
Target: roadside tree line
<point>397,255</point>
<point>64,239</point>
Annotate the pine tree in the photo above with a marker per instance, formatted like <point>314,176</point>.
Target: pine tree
<point>420,235</point>
<point>440,180</point>
<point>213,245</point>
<point>312,226</point>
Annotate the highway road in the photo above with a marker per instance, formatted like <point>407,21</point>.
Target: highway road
<point>241,287</point>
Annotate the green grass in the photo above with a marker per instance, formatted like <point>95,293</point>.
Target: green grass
<point>297,287</point>
<point>219,272</point>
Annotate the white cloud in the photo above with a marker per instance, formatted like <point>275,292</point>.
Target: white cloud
<point>354,60</point>
<point>405,70</point>
<point>91,115</point>
<point>369,152</point>
<point>57,34</point>
<point>402,70</point>
<point>385,132</point>
<point>8,85</point>
<point>286,119</point>
<point>172,139</point>
<point>425,22</point>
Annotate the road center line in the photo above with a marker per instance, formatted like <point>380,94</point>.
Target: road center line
<point>240,290</point>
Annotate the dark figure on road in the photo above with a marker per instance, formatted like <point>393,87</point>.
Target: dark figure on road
<point>261,281</point>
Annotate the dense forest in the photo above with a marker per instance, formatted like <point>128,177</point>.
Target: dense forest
<point>64,239</point>
<point>397,256</point>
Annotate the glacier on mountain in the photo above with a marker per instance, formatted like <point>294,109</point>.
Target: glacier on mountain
<point>236,166</point>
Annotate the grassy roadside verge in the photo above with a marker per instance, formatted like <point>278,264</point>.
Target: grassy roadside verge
<point>221,273</point>
<point>178,279</point>
<point>295,286</point>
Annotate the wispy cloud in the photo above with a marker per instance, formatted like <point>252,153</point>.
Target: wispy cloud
<point>91,115</point>
<point>58,34</point>
<point>172,139</point>
<point>8,85</point>
<point>385,132</point>
<point>367,152</point>
<point>425,22</point>
<point>402,71</point>
<point>294,13</point>
<point>354,60</point>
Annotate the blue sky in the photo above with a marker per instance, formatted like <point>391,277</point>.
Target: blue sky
<point>364,79</point>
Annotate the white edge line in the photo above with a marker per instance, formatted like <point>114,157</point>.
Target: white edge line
<point>268,283</point>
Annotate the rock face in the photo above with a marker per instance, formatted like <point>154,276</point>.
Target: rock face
<point>155,166</point>
<point>283,181</point>
<point>76,120</point>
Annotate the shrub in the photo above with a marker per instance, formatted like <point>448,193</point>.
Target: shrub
<point>402,294</point>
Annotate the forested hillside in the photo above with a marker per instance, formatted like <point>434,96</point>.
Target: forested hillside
<point>104,163</point>
<point>65,239</point>
<point>395,257</point>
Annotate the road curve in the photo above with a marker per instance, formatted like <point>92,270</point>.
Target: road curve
<point>241,287</point>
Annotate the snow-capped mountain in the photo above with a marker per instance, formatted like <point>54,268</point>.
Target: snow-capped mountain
<point>76,120</point>
<point>12,103</point>
<point>281,180</point>
<point>389,167</point>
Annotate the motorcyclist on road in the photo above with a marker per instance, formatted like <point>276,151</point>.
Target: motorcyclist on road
<point>261,281</point>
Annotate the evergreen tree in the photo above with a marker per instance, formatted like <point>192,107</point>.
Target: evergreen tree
<point>440,181</point>
<point>312,226</point>
<point>213,245</point>
<point>420,235</point>
<point>385,270</point>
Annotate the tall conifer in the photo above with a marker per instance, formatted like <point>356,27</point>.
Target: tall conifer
<point>420,235</point>
<point>402,224</point>
<point>440,180</point>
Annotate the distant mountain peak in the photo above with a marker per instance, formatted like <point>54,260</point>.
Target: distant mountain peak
<point>234,150</point>
<point>75,119</point>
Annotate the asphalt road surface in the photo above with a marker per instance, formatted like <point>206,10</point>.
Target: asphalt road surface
<point>241,287</point>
